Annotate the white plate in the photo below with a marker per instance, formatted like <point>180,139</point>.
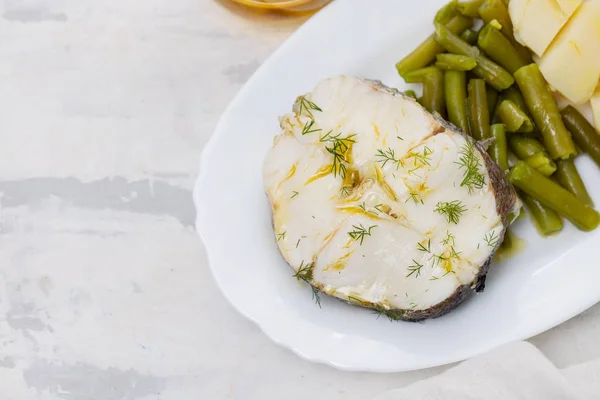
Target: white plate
<point>551,281</point>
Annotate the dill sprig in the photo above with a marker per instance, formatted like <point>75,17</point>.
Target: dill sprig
<point>414,269</point>
<point>345,191</point>
<point>469,161</point>
<point>448,239</point>
<point>412,171</point>
<point>427,249</point>
<point>281,236</point>
<point>492,239</point>
<point>435,278</point>
<point>421,159</point>
<point>308,128</point>
<point>308,106</point>
<point>359,232</point>
<point>392,315</point>
<point>388,156</point>
<point>451,209</point>
<point>294,194</point>
<point>453,253</point>
<point>362,302</point>
<point>415,198</point>
<point>338,149</point>
<point>438,258</point>
<point>305,273</point>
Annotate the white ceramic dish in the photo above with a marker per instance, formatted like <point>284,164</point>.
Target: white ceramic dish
<point>551,281</point>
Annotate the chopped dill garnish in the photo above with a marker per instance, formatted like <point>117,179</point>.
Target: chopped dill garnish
<point>294,194</point>
<point>412,171</point>
<point>451,209</point>
<point>359,232</point>
<point>415,269</point>
<point>413,305</point>
<point>308,106</point>
<point>308,128</point>
<point>448,239</point>
<point>345,191</point>
<point>399,137</point>
<point>298,243</point>
<point>421,159</point>
<point>492,239</point>
<point>454,253</point>
<point>438,258</point>
<point>435,278</point>
<point>469,161</point>
<point>315,295</point>
<point>388,156</point>
<point>305,273</point>
<point>393,315</point>
<point>360,301</point>
<point>362,206</point>
<point>427,249</point>
<point>415,198</point>
<point>338,149</point>
<point>281,236</point>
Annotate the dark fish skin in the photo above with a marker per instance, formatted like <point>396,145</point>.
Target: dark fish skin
<point>506,199</point>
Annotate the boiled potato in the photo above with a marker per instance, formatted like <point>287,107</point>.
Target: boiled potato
<point>571,64</point>
<point>595,102</point>
<point>537,22</point>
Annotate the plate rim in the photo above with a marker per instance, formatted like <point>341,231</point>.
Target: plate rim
<point>206,154</point>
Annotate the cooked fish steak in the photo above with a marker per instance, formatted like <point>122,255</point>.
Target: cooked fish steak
<point>381,204</point>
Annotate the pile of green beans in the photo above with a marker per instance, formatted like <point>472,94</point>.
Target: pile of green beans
<point>485,83</point>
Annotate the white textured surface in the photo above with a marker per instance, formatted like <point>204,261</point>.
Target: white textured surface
<point>104,289</point>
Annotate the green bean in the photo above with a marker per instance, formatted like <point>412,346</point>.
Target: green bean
<point>446,13</point>
<point>533,153</point>
<point>495,116</point>
<point>456,98</point>
<point>433,88</point>
<point>498,150</point>
<point>542,106</point>
<point>425,53</point>
<point>494,75</point>
<point>542,163</point>
<point>499,49</point>
<point>514,94</point>
<point>411,93</point>
<point>583,132</point>
<point>454,61</point>
<point>569,178</point>
<point>525,147</point>
<point>492,99</point>
<point>546,220</point>
<point>470,36</point>
<point>497,10</point>
<point>479,115</point>
<point>469,8</point>
<point>552,195</point>
<point>514,118</point>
